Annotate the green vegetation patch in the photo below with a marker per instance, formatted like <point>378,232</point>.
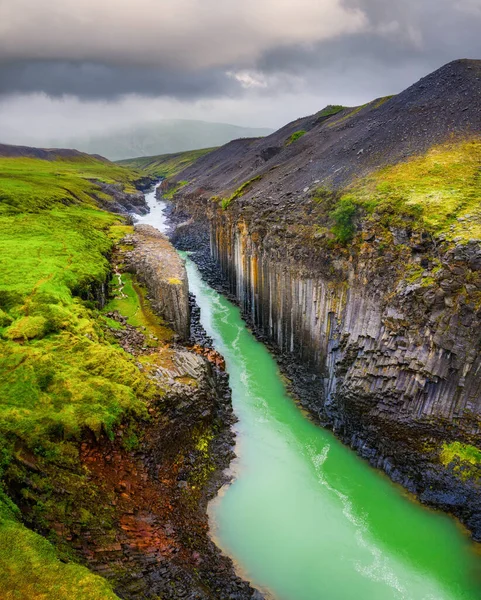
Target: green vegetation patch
<point>438,192</point>
<point>169,194</point>
<point>60,375</point>
<point>240,191</point>
<point>295,136</point>
<point>463,458</point>
<point>130,300</point>
<point>383,100</point>
<point>329,111</point>
<point>343,217</point>
<point>462,452</point>
<point>349,115</point>
<point>29,568</point>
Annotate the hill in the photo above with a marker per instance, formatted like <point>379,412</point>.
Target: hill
<point>157,138</point>
<point>165,165</point>
<point>338,144</point>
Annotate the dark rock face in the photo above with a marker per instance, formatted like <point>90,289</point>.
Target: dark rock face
<point>159,545</point>
<point>394,370</point>
<point>121,202</point>
<point>392,366</point>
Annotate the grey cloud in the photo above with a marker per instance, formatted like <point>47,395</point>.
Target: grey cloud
<point>187,34</point>
<point>98,81</point>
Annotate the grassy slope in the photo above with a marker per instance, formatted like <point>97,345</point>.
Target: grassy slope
<point>59,373</point>
<point>438,193</point>
<point>165,165</point>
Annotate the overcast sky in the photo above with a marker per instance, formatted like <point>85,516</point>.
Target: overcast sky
<point>70,67</point>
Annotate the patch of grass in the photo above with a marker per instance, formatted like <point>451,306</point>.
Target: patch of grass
<point>438,192</point>
<point>29,568</point>
<point>383,100</point>
<point>463,458</point>
<point>169,194</point>
<point>462,452</point>
<point>295,136</point>
<point>166,165</point>
<point>349,115</point>
<point>240,191</point>
<point>329,111</point>
<point>131,302</point>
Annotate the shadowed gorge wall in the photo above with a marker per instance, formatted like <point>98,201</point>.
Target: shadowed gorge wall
<point>388,324</point>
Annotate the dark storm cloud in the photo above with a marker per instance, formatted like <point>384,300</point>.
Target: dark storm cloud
<point>428,33</point>
<point>100,49</point>
<point>97,81</point>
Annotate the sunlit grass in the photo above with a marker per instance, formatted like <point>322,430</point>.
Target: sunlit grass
<point>60,376</point>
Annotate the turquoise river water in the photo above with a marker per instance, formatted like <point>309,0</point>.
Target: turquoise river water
<point>305,518</point>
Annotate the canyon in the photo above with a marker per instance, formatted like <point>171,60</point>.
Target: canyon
<point>350,271</point>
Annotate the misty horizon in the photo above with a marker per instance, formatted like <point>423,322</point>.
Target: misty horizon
<point>70,70</point>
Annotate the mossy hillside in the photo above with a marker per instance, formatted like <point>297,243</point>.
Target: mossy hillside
<point>61,376</point>
<point>329,111</point>
<point>437,193</point>
<point>169,193</point>
<point>30,568</point>
<point>166,165</point>
<point>354,111</point>
<point>29,184</point>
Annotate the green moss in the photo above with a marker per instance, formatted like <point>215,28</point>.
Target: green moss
<point>27,328</point>
<point>383,100</point>
<point>462,452</point>
<point>329,111</point>
<point>464,459</point>
<point>131,302</point>
<point>60,377</point>
<point>295,136</point>
<point>349,115</point>
<point>169,194</point>
<point>30,569</point>
<point>225,202</point>
<point>430,192</point>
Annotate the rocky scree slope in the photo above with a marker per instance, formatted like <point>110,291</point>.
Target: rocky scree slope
<point>352,241</point>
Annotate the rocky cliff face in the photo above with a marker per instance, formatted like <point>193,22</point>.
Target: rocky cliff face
<point>162,271</point>
<point>388,326</point>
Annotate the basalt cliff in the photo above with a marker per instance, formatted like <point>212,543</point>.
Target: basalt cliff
<point>352,241</point>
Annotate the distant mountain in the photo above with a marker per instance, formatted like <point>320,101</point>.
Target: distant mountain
<point>165,165</point>
<point>161,137</point>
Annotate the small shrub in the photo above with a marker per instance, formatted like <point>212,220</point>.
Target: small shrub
<point>343,216</point>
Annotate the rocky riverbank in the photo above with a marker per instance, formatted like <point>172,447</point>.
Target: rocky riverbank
<point>160,545</point>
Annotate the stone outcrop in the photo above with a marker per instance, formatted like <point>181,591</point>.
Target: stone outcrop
<point>159,267</point>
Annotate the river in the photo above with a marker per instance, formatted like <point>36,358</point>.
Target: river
<point>306,518</point>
